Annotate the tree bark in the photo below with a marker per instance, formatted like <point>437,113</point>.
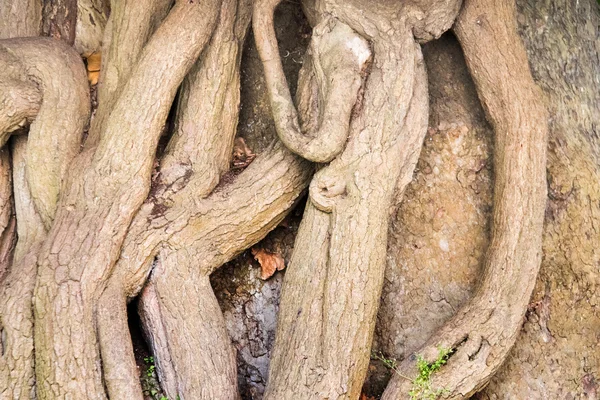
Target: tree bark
<point>558,336</point>
<point>331,291</point>
<point>98,204</point>
<point>127,218</point>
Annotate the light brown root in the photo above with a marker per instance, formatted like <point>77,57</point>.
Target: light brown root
<point>327,319</point>
<point>337,60</point>
<point>200,230</point>
<point>122,47</point>
<point>55,135</point>
<point>108,185</point>
<point>119,369</point>
<point>19,100</point>
<point>16,290</point>
<point>40,163</point>
<point>248,209</point>
<point>16,328</point>
<point>198,342</point>
<point>484,331</point>
<point>21,18</point>
<point>156,336</point>
<point>331,289</point>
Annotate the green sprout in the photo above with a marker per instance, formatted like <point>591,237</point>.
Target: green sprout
<point>421,389</point>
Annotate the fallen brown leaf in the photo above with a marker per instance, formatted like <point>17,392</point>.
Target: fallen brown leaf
<point>269,262</point>
<point>93,62</point>
<point>242,155</point>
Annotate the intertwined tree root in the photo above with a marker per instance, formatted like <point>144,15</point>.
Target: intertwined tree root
<point>332,287</point>
<point>97,228</point>
<point>484,330</point>
<point>100,249</point>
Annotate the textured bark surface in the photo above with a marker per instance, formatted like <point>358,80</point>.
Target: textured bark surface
<point>20,18</point>
<point>482,332</point>
<point>556,355</point>
<point>454,256</point>
<point>249,304</point>
<point>7,215</point>
<point>60,19</point>
<point>187,217</point>
<point>40,164</point>
<point>92,16</point>
<point>136,217</point>
<point>100,202</point>
<point>331,291</point>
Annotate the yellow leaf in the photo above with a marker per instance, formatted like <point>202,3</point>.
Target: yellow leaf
<point>93,62</point>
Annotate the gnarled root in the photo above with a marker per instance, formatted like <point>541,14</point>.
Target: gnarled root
<point>187,229</point>
<point>40,163</point>
<point>336,60</point>
<point>332,287</point>
<point>485,329</point>
<point>108,185</point>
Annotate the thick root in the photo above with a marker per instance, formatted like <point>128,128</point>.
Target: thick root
<point>337,59</point>
<point>108,185</point>
<point>198,343</point>
<point>62,115</point>
<point>484,331</point>
<point>40,163</point>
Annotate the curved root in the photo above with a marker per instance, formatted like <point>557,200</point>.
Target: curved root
<point>338,58</point>
<point>485,329</point>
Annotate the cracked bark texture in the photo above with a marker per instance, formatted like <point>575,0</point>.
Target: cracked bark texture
<point>482,332</point>
<point>175,232</point>
<point>451,258</point>
<point>539,366</point>
<point>331,291</point>
<point>103,193</point>
<point>100,201</point>
<point>556,354</point>
<point>40,164</point>
<point>440,233</point>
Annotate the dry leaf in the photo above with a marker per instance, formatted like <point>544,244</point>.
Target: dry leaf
<point>242,155</point>
<point>93,77</point>
<point>365,397</point>
<point>269,262</point>
<point>93,62</point>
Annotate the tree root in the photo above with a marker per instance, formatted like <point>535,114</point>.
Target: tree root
<point>192,227</point>
<point>104,242</point>
<point>60,117</point>
<point>109,185</point>
<point>40,164</point>
<point>485,329</point>
<point>337,59</point>
<point>332,286</point>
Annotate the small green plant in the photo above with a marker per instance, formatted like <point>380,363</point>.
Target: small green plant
<point>421,389</point>
<point>150,384</point>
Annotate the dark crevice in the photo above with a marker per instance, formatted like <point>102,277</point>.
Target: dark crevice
<point>144,358</point>
<point>2,340</point>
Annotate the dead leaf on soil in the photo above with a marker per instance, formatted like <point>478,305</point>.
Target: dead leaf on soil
<point>269,262</point>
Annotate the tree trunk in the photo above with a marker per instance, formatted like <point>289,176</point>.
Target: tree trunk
<point>152,194</point>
